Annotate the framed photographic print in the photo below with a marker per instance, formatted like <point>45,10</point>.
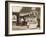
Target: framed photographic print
<point>24,18</point>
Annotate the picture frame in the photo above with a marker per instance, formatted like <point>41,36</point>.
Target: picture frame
<point>24,18</point>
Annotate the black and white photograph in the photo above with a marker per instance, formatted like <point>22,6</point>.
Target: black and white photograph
<point>24,18</point>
